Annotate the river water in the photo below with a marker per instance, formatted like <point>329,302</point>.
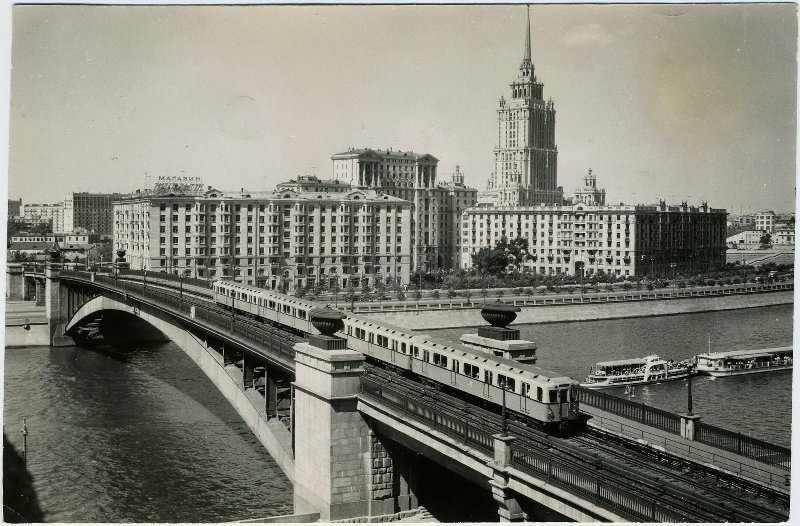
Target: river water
<point>755,404</point>
<point>143,438</point>
<point>147,437</point>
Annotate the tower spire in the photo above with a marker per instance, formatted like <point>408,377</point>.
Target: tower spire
<point>527,57</point>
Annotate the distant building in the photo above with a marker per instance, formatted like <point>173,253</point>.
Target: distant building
<point>14,207</point>
<point>745,239</point>
<point>46,213</point>
<point>71,244</point>
<point>590,194</point>
<point>526,156</point>
<point>622,240</point>
<point>281,240</point>
<point>412,177</point>
<point>92,211</point>
<point>765,220</point>
<point>454,197</point>
<point>783,236</point>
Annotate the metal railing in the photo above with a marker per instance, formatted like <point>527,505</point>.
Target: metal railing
<point>174,278</point>
<point>449,424</point>
<point>638,412</point>
<point>743,445</point>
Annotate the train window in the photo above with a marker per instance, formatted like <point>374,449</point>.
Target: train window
<point>360,333</point>
<point>553,396</point>
<point>426,355</point>
<point>539,393</point>
<point>526,389</point>
<point>439,360</point>
<point>573,392</point>
<point>473,371</point>
<point>488,377</point>
<point>383,341</point>
<point>301,314</point>
<point>403,347</point>
<point>415,351</point>
<point>371,337</point>
<point>272,305</point>
<point>504,381</point>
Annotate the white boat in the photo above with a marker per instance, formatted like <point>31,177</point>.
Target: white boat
<point>635,371</point>
<point>733,363</point>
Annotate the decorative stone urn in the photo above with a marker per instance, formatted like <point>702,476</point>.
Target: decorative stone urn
<point>327,320</point>
<point>121,255</point>
<point>499,314</point>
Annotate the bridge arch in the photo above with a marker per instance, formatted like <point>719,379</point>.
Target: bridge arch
<point>271,434</point>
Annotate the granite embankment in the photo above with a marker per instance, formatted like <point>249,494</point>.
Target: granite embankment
<point>470,317</point>
<point>26,324</point>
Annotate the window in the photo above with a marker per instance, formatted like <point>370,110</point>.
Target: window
<point>471,371</point>
<point>553,394</point>
<point>539,393</point>
<point>439,360</point>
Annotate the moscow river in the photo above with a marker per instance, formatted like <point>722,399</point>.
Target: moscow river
<point>755,404</point>
<point>142,439</point>
<point>147,437</point>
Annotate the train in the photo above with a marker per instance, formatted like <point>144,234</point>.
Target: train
<point>542,399</point>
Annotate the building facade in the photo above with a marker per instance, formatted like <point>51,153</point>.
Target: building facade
<point>589,194</point>
<point>765,220</point>
<point>91,211</point>
<point>583,240</point>
<point>46,213</point>
<point>526,156</point>
<point>414,178</point>
<point>14,207</point>
<point>280,240</point>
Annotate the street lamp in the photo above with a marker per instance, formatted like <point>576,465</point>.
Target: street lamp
<point>88,252</point>
<point>503,419</point>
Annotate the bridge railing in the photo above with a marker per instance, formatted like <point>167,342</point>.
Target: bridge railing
<point>174,278</point>
<point>597,486</point>
<point>631,410</point>
<point>743,445</point>
<point>449,424</point>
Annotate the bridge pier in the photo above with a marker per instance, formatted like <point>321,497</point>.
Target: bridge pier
<point>15,282</point>
<point>508,507</point>
<point>40,294</point>
<point>56,307</point>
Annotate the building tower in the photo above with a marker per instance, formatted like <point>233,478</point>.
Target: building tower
<point>525,158</point>
<point>590,194</point>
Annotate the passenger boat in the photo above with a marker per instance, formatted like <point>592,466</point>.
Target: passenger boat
<point>635,371</point>
<point>733,363</point>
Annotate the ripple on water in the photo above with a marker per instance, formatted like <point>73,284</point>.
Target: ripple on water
<point>146,439</point>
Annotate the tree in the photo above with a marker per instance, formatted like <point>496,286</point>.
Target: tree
<point>765,240</point>
<point>451,293</point>
<point>401,296</point>
<point>417,294</point>
<point>435,294</point>
<point>300,292</point>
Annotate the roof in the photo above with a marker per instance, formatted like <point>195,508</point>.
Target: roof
<point>753,353</point>
<point>629,361</point>
<point>376,153</point>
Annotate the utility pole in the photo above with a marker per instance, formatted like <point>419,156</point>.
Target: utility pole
<point>24,441</point>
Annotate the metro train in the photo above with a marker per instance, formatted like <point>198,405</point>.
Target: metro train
<point>543,399</point>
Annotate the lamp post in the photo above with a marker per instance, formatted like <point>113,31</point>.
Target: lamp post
<point>503,419</point>
<point>88,252</point>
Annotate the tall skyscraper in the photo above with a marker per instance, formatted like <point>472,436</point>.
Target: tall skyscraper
<point>525,158</point>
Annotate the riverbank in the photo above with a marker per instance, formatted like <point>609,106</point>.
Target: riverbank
<point>26,324</point>
<point>470,317</point>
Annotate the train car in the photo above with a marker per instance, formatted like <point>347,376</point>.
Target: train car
<point>547,399</point>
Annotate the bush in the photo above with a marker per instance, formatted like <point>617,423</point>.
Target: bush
<point>435,294</point>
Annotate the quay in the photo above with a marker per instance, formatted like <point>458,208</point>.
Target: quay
<point>589,307</point>
<point>357,439</point>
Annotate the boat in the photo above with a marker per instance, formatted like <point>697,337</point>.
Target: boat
<point>734,363</point>
<point>635,371</point>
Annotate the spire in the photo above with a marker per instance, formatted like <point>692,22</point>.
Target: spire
<point>527,57</point>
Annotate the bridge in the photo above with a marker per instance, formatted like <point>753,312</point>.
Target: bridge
<point>359,440</point>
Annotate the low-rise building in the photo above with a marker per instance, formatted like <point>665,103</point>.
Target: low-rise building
<point>283,240</point>
<point>783,236</point>
<point>623,240</point>
<point>765,220</point>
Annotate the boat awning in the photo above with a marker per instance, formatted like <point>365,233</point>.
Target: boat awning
<point>618,363</point>
<point>746,355</point>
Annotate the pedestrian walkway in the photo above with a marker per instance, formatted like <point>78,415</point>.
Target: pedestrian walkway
<point>777,477</point>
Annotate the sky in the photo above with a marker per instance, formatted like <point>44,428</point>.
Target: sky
<point>679,102</point>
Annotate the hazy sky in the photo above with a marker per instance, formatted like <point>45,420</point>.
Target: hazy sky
<point>660,101</point>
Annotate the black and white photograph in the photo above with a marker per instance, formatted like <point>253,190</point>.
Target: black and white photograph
<point>409,263</point>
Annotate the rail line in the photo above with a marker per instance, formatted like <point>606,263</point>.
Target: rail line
<point>678,488</point>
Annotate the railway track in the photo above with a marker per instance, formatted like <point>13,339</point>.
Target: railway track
<point>694,492</point>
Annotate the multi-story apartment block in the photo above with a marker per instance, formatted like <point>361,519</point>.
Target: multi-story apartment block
<point>44,213</point>
<point>281,240</point>
<point>582,240</point>
<point>454,197</point>
<point>526,156</point>
<point>765,220</point>
<point>92,211</point>
<point>412,177</point>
